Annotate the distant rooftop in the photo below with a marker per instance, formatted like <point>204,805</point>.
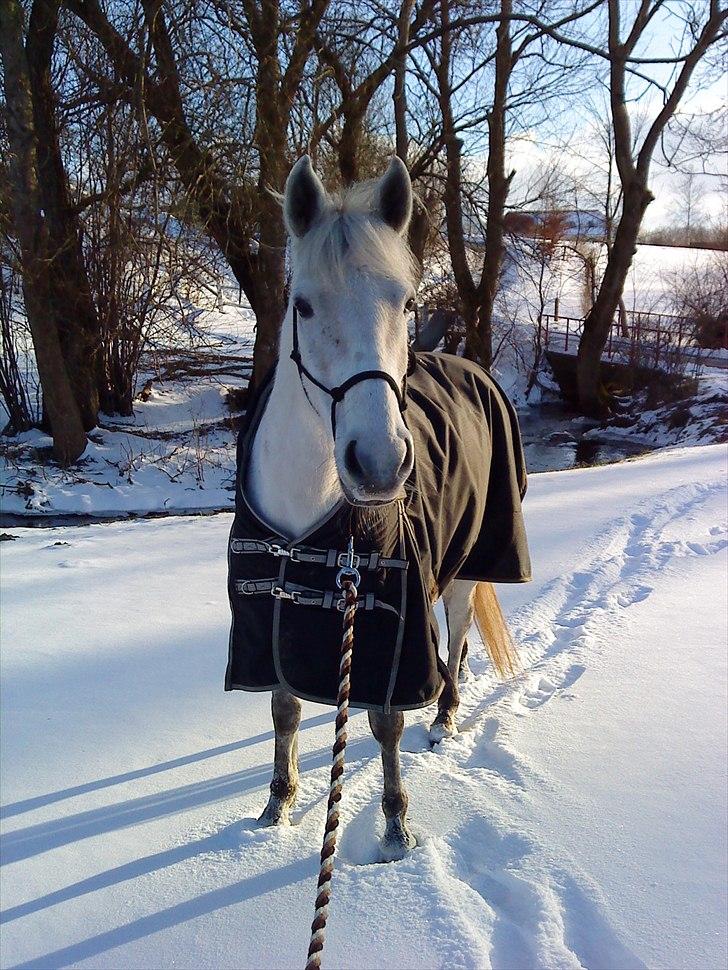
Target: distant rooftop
<point>565,223</point>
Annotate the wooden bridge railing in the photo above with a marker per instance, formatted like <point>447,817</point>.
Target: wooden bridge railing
<point>653,340</point>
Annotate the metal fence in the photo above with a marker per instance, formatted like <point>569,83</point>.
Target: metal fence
<point>658,341</point>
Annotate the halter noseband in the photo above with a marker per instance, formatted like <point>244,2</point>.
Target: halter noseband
<point>337,393</point>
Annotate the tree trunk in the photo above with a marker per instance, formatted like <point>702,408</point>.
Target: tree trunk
<point>623,325</point>
<point>479,345</point>
<point>399,94</point>
<point>76,319</point>
<point>452,193</point>
<point>349,145</point>
<point>270,301</point>
<point>69,439</point>
<point>271,130</point>
<point>419,230</point>
<point>599,319</point>
<point>420,224</point>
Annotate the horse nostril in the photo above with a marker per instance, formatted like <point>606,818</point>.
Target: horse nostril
<point>407,460</point>
<point>352,462</point>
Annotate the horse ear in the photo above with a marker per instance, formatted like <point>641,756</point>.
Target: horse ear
<point>304,197</point>
<point>394,196</point>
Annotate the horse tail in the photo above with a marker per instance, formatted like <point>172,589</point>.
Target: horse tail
<point>494,630</point>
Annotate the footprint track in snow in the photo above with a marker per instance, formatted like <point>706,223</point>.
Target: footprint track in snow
<point>539,915</point>
<point>630,552</point>
<point>561,629</point>
<point>542,688</point>
<point>631,596</point>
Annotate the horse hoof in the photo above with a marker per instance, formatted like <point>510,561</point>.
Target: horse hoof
<point>397,841</point>
<point>276,812</point>
<point>439,730</point>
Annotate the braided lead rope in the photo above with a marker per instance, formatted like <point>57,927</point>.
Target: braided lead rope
<point>323,897</point>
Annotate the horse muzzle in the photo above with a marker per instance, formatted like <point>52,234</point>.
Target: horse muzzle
<point>374,473</point>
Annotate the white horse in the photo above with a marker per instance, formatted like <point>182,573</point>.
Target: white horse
<point>354,309</point>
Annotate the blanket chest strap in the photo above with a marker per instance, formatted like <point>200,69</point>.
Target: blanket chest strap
<point>332,558</point>
<point>327,599</point>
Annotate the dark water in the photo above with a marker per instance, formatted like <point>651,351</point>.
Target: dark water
<point>9,520</point>
<point>553,441</point>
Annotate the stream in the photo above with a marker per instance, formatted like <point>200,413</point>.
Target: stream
<point>553,441</point>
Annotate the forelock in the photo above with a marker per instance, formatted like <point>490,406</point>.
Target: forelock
<point>350,235</point>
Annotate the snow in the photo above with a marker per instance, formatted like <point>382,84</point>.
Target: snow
<point>578,819</point>
<point>184,461</point>
<point>176,453</point>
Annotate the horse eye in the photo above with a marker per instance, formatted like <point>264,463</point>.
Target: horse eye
<point>303,307</point>
<point>409,305</point>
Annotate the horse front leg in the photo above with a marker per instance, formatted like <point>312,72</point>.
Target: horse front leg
<point>397,840</point>
<point>458,598</point>
<point>286,711</point>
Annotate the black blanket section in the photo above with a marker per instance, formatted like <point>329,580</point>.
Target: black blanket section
<point>461,518</point>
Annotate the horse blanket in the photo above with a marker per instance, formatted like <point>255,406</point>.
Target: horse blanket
<point>461,517</point>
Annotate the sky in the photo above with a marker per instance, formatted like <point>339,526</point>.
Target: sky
<point>569,139</point>
<point>577,149</point>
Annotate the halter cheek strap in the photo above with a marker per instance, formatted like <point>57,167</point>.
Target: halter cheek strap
<point>337,393</point>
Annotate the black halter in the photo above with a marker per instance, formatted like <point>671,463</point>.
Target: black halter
<point>337,393</point>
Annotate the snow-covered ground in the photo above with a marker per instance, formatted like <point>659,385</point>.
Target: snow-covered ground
<point>177,452</point>
<point>578,819</point>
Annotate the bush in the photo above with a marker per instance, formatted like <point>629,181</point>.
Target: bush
<point>701,297</point>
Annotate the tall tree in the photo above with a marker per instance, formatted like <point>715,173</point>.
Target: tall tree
<point>479,342</point>
<point>705,23</point>
<point>69,439</point>
<point>232,214</point>
<point>78,325</point>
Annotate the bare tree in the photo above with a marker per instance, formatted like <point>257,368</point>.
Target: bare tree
<point>360,75</point>
<point>78,325</point>
<point>13,387</point>
<point>69,439</point>
<point>700,298</point>
<point>705,25</point>
<point>517,43</point>
<point>690,196</point>
<point>242,217</point>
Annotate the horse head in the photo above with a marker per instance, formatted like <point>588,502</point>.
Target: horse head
<point>352,288</point>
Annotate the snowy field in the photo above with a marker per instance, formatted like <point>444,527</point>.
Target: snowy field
<point>578,819</point>
<point>653,278</point>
